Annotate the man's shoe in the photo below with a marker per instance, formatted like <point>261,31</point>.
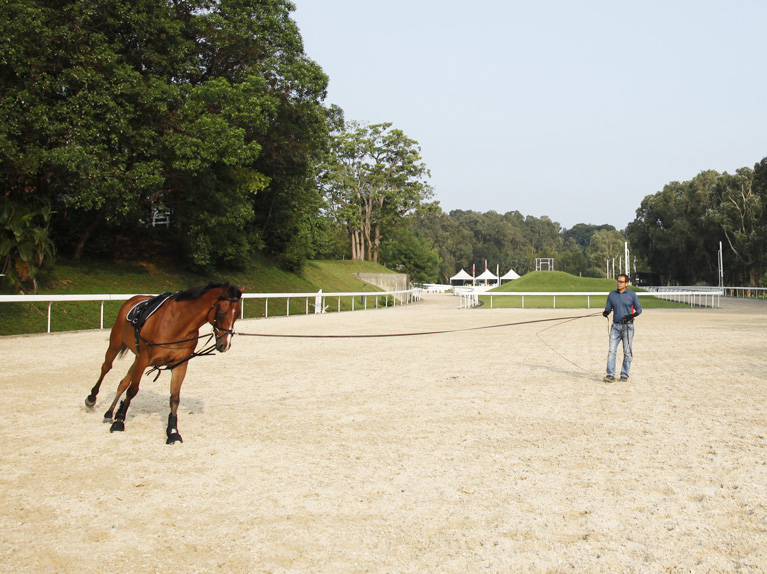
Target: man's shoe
<point>609,379</point>
<point>623,379</point>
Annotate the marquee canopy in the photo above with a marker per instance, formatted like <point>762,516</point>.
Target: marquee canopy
<point>461,276</point>
<point>511,275</point>
<point>487,275</point>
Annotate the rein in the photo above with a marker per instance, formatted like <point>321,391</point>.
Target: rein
<point>417,334</point>
<point>209,350</point>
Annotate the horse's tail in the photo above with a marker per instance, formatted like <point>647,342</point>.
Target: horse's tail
<point>123,350</point>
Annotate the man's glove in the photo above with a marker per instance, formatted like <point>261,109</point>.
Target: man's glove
<point>605,313</point>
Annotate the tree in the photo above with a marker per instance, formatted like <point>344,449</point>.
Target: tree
<point>25,245</point>
<point>672,231</point>
<point>407,252</point>
<point>738,207</point>
<point>373,177</point>
<point>109,108</point>
<point>604,245</point>
<point>451,241</point>
<point>581,233</point>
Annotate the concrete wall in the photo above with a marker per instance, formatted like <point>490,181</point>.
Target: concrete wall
<point>387,281</point>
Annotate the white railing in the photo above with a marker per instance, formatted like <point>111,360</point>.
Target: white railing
<point>693,298</point>
<point>737,292</point>
<point>405,297</point>
<point>746,292</point>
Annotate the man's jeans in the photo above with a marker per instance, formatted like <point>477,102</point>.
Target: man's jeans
<point>623,333</point>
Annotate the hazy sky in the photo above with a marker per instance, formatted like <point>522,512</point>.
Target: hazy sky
<point>572,109</point>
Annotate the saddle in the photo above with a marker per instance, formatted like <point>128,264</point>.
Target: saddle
<point>140,312</point>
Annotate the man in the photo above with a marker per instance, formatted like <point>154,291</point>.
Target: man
<point>625,306</point>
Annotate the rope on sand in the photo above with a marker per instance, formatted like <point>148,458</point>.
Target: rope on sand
<point>421,333</point>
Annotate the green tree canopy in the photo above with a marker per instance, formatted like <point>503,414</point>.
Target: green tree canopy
<point>210,109</point>
<point>672,232</point>
<point>373,178</point>
<point>739,209</point>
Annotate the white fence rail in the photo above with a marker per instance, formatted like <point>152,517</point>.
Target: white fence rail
<point>737,292</point>
<point>320,301</point>
<point>692,298</point>
<point>747,292</point>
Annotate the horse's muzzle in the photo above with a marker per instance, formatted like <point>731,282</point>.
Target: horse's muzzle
<point>223,343</point>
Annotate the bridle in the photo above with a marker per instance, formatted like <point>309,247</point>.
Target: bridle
<point>214,322</point>
<point>206,350</point>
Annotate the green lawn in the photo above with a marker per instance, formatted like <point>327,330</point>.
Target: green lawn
<point>68,277</point>
<point>558,281</point>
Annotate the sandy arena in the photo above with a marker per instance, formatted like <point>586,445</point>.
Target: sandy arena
<point>488,450</point>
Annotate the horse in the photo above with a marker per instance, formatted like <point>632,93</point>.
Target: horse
<point>166,338</point>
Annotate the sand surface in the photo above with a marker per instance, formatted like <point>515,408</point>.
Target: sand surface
<point>484,450</point>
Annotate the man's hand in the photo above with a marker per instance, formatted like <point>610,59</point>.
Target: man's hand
<point>605,313</point>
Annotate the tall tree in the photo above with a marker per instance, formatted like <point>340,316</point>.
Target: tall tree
<point>110,108</point>
<point>740,209</point>
<point>452,242</point>
<point>672,232</point>
<point>605,245</point>
<point>374,176</point>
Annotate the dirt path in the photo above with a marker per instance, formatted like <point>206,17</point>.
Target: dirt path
<point>485,450</point>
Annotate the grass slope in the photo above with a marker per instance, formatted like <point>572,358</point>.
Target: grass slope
<point>69,277</point>
<point>558,281</point>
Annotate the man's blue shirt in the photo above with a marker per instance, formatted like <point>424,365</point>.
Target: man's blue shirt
<point>622,304</point>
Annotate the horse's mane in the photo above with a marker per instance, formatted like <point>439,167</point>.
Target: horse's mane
<point>229,291</point>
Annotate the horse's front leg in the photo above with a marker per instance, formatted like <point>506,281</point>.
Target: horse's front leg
<point>176,379</point>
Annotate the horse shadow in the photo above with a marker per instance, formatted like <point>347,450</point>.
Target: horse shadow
<point>149,402</point>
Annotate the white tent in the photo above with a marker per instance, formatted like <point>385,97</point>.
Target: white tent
<point>510,275</point>
<point>486,276</point>
<point>461,276</point>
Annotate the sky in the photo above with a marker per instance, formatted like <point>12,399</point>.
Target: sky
<point>575,110</point>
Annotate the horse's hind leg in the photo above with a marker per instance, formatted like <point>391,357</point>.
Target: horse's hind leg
<point>119,422</point>
<point>115,348</point>
<point>125,383</point>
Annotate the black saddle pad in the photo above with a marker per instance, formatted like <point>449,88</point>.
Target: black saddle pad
<point>142,311</point>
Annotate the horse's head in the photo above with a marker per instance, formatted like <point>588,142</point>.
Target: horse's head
<point>226,310</point>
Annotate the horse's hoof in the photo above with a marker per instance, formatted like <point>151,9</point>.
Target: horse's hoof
<point>174,438</point>
<point>117,426</point>
<point>89,404</point>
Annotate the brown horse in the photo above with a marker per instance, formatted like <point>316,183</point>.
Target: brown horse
<point>167,339</point>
